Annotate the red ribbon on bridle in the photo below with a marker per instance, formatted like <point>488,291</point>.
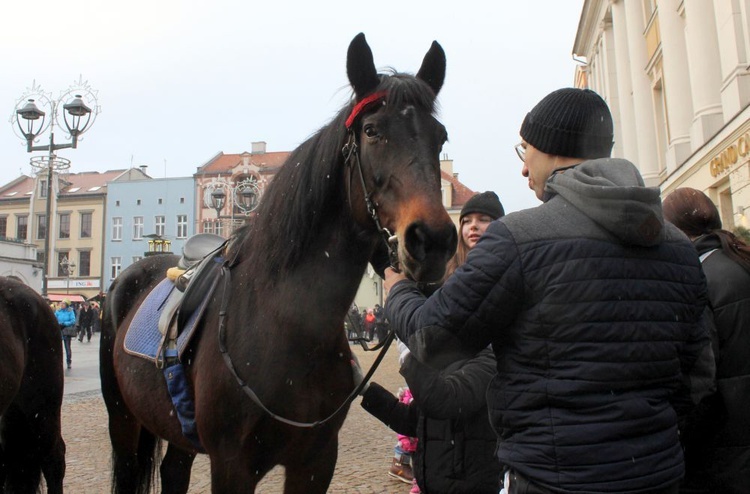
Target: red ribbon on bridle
<point>362,105</point>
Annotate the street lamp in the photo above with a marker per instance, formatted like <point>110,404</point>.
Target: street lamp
<point>245,196</point>
<point>68,268</point>
<point>80,108</point>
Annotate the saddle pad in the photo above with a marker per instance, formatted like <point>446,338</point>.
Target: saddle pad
<point>143,338</point>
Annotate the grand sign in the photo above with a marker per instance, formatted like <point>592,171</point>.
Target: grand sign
<point>729,156</point>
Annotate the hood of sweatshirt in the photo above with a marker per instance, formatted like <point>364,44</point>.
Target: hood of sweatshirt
<point>611,192</point>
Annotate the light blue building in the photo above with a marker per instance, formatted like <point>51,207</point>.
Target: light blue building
<point>137,211</point>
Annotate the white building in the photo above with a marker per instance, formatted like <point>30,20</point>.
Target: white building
<point>19,260</point>
<point>676,75</point>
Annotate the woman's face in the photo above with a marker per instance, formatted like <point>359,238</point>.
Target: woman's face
<point>473,226</point>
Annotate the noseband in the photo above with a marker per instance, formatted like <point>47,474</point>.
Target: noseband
<point>351,158</point>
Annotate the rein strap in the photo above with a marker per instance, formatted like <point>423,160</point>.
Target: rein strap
<point>226,274</point>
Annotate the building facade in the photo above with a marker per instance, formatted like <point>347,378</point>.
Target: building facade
<point>139,212</point>
<point>675,75</point>
<point>228,187</point>
<point>76,239</point>
<point>19,260</point>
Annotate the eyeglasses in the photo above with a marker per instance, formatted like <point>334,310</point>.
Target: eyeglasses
<point>521,151</point>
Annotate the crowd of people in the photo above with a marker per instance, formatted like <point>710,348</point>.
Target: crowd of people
<point>595,343</point>
<point>77,320</point>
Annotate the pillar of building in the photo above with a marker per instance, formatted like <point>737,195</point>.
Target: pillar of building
<point>646,161</point>
<point>705,69</point>
<point>626,141</point>
<point>677,83</point>
<point>735,85</point>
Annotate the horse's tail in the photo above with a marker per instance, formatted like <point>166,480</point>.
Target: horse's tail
<point>135,473</point>
<point>133,447</point>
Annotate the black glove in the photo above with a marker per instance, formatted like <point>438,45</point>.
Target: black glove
<point>380,259</point>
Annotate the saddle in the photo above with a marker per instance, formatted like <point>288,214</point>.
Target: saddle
<point>199,265</point>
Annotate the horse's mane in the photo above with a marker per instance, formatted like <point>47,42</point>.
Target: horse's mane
<point>309,190</point>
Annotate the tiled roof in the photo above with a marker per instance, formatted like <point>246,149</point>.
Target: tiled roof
<point>224,162</point>
<point>461,193</point>
<point>75,184</point>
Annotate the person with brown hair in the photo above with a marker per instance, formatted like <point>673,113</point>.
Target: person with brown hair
<point>717,447</point>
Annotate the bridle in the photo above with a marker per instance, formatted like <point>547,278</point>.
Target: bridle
<point>351,158</point>
<point>352,161</point>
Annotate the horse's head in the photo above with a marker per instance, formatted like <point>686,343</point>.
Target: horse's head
<point>393,155</point>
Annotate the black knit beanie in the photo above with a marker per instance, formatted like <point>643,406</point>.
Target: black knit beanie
<point>570,122</point>
<point>483,203</point>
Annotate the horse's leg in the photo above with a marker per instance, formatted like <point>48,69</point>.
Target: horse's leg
<point>21,460</point>
<point>51,449</point>
<point>231,474</point>
<point>313,476</point>
<point>175,470</point>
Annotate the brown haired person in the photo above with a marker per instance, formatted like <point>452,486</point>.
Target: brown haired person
<point>717,447</point>
<point>593,306</point>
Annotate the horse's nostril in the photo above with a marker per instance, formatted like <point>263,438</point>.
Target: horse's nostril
<point>417,241</point>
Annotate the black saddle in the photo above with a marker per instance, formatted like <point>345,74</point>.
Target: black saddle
<point>197,247</point>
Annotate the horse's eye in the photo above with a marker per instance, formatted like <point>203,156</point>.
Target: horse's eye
<point>370,130</point>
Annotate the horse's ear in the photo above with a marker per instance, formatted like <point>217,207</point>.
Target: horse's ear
<point>360,67</point>
<point>433,67</point>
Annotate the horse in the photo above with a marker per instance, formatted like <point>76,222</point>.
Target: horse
<point>273,388</point>
<point>31,392</point>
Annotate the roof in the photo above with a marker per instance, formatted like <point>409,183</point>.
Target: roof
<point>461,193</point>
<point>72,184</point>
<point>222,163</point>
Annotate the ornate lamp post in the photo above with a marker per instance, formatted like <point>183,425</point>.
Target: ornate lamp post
<point>245,196</point>
<point>68,268</point>
<point>79,111</point>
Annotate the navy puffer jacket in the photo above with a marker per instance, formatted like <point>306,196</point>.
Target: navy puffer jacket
<point>592,306</point>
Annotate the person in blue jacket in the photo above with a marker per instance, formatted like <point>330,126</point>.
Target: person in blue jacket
<point>593,306</point>
<point>66,318</point>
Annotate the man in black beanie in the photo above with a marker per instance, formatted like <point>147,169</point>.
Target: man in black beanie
<point>592,304</point>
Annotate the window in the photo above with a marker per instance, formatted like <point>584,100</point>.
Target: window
<point>208,226</point>
<point>219,228</point>
<point>64,268</point>
<point>137,258</point>
<point>116,265</point>
<point>22,227</point>
<point>3,226</point>
<point>182,200</point>
<point>41,226</point>
<point>64,225</point>
<point>159,225</point>
<point>137,202</point>
<point>160,200</point>
<point>43,188</point>
<point>117,228</point>
<point>84,263</point>
<point>117,203</point>
<point>86,219</point>
<point>181,226</point>
<point>137,227</point>
<point>40,256</point>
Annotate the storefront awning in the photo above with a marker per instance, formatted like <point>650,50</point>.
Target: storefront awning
<point>55,297</point>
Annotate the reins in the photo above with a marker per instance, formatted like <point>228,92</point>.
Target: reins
<point>226,274</point>
<point>351,159</point>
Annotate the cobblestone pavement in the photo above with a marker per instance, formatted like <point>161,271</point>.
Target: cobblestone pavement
<point>365,444</point>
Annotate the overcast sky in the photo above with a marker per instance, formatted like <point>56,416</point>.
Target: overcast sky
<point>179,81</point>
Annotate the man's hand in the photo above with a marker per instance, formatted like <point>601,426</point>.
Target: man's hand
<point>391,278</point>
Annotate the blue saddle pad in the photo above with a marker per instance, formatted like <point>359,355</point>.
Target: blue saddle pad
<point>143,338</point>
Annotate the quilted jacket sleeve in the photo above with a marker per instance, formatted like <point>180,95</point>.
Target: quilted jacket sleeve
<point>384,406</point>
<point>455,394</point>
<point>476,303</point>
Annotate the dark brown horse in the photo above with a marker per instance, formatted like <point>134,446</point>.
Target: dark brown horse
<point>291,277</point>
<point>31,392</point>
